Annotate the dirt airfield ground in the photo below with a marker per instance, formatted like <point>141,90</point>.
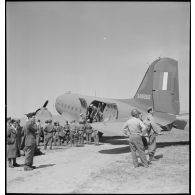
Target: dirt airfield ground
<point>106,168</point>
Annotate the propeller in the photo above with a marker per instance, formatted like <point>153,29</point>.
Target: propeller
<point>45,104</point>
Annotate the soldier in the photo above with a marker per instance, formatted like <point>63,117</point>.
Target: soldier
<point>89,132</point>
<point>39,132</point>
<point>56,134</point>
<point>13,151</point>
<point>81,129</point>
<point>135,128</point>
<point>89,112</point>
<point>62,134</point>
<point>30,141</point>
<point>95,136</point>
<point>67,132</point>
<point>49,129</point>
<point>19,132</point>
<point>152,130</point>
<point>73,129</point>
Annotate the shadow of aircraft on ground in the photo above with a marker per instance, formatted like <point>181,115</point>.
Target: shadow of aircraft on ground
<point>122,140</point>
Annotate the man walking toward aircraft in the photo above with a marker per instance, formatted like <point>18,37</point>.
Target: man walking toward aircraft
<point>152,130</point>
<point>135,128</point>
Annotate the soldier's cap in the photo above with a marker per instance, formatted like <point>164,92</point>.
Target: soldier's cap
<point>46,121</point>
<point>135,112</point>
<point>149,109</point>
<point>55,123</point>
<point>66,122</point>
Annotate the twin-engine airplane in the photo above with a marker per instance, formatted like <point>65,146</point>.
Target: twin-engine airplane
<point>159,89</point>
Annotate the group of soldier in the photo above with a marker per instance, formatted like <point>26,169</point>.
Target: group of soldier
<point>28,137</point>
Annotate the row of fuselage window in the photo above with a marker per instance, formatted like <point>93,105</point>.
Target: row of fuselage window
<point>71,108</point>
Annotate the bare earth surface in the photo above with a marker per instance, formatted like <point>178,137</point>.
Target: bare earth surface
<point>106,168</point>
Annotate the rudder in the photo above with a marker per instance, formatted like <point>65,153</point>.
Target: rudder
<point>159,87</point>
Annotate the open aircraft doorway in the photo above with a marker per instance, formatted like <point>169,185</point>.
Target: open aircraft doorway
<point>102,111</point>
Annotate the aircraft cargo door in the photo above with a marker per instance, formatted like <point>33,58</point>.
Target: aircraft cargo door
<point>110,112</point>
<point>83,105</point>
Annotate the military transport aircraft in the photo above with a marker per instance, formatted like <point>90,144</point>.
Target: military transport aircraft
<point>159,89</point>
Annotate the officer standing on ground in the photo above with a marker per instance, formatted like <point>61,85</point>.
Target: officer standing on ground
<point>13,151</point>
<point>30,141</point>
<point>49,129</point>
<point>135,128</point>
<point>152,129</point>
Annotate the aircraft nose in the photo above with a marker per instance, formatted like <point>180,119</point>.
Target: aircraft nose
<point>44,114</point>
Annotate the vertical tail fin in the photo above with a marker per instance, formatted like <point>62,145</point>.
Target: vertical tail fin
<point>160,88</point>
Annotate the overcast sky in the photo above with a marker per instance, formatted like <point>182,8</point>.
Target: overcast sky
<point>90,47</point>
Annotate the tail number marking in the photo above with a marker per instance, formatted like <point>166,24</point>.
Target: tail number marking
<point>144,96</point>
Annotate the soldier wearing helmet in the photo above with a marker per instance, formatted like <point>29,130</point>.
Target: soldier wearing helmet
<point>135,129</point>
<point>152,130</point>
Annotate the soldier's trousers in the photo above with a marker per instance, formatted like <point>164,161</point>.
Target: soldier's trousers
<point>81,139</point>
<point>29,154</point>
<point>37,140</point>
<point>48,140</point>
<point>136,144</point>
<point>88,137</point>
<point>96,138</point>
<point>57,141</point>
<point>152,145</point>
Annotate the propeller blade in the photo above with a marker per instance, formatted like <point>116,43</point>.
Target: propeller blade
<point>45,104</point>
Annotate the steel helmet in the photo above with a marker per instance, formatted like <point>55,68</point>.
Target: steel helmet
<point>135,112</point>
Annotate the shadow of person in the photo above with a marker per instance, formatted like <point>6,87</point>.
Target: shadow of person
<point>115,150</point>
<point>158,156</point>
<point>44,166</point>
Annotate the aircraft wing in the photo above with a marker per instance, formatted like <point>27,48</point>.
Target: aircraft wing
<point>109,128</point>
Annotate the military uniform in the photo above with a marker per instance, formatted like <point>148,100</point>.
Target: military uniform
<point>62,134</point>
<point>30,143</point>
<point>95,136</point>
<point>73,133</point>
<point>13,150</point>
<point>81,129</point>
<point>67,132</point>
<point>39,134</point>
<point>49,130</point>
<point>19,134</point>
<point>89,131</point>
<point>152,130</point>
<point>56,135</point>
<point>135,128</point>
